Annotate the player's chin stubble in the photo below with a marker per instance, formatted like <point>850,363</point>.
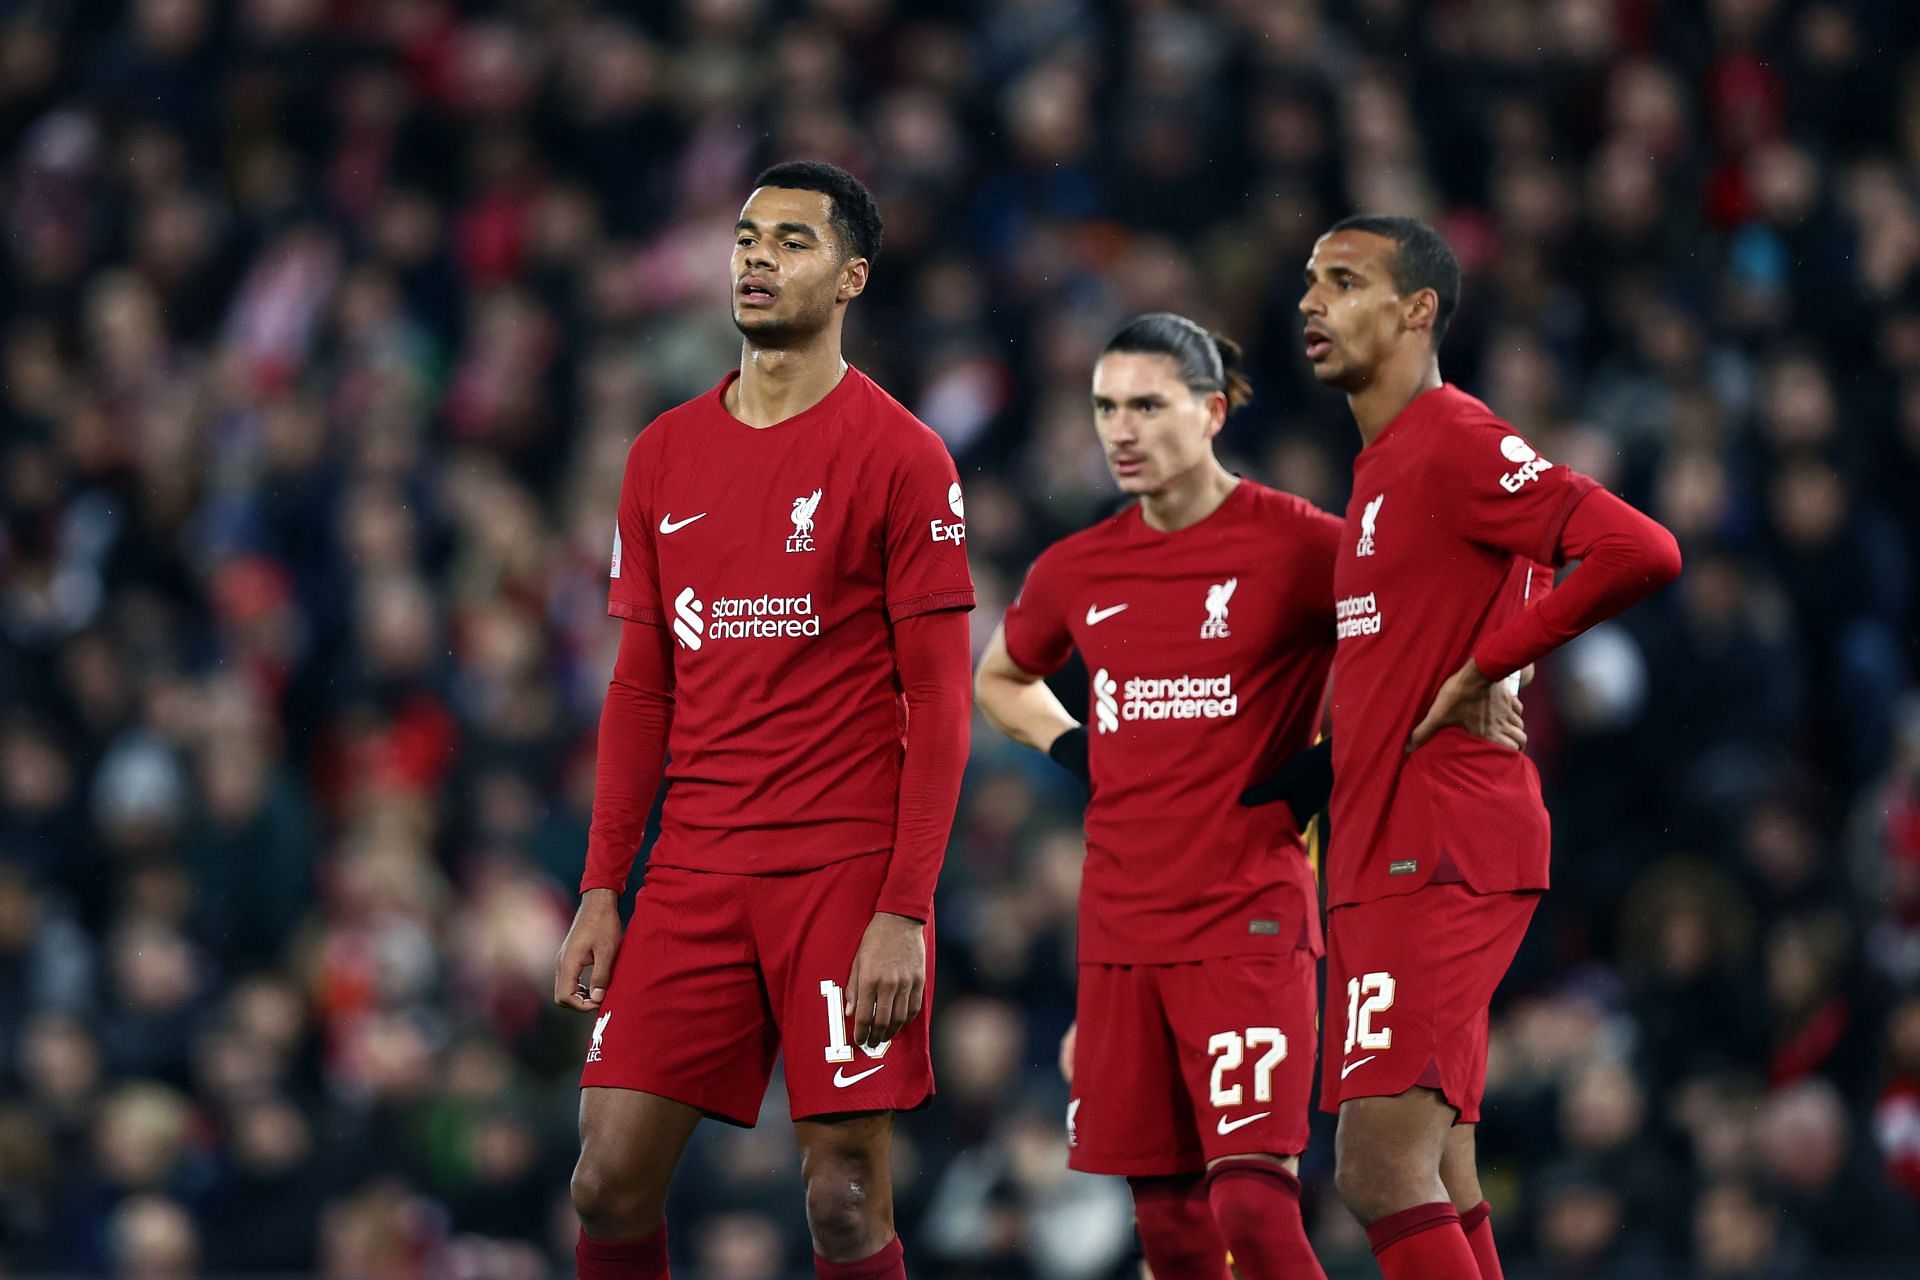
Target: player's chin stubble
<point>776,333</point>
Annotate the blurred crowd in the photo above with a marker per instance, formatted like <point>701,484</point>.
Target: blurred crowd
<point>325,325</point>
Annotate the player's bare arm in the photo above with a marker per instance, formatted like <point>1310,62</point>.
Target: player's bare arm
<point>1017,702</point>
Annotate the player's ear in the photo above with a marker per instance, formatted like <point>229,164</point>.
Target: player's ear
<point>1421,310</point>
<point>853,278</point>
<point>1216,412</point>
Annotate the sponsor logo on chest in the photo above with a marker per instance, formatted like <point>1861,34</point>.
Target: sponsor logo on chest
<point>1357,616</point>
<point>697,622</point>
<point>1183,697</point>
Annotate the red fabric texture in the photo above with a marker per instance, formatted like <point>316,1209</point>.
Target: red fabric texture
<point>633,747</point>
<point>1177,1231</point>
<point>1625,557</point>
<point>1477,1224</point>
<point>888,1263</point>
<point>1257,1208</point>
<point>932,653</point>
<point>642,1259</point>
<point>1423,1243</point>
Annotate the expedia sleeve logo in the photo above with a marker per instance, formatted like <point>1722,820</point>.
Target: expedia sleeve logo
<point>956,532</point>
<point>1532,465</point>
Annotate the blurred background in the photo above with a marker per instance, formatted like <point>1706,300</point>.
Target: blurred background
<point>325,325</point>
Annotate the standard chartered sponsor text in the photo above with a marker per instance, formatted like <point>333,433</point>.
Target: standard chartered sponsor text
<point>762,617</point>
<point>1178,698</point>
<point>1357,616</point>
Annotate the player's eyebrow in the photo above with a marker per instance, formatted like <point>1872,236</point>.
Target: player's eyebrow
<point>782,228</point>
<point>1333,273</point>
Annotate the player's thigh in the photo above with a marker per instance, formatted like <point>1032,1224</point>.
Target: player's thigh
<point>1459,1167</point>
<point>807,929</point>
<point>1245,1029</point>
<point>630,1143</point>
<point>1409,979</point>
<point>685,1016</point>
<point>1129,1112</point>
<point>1387,1150</point>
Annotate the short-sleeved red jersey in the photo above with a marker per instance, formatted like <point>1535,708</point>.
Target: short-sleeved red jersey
<point>1452,515</point>
<point>779,558</point>
<point>1207,650</point>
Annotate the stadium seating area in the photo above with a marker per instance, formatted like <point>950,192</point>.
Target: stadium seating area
<point>325,325</point>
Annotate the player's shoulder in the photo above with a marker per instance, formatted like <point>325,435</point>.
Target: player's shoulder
<point>1464,415</point>
<point>670,425</point>
<point>1272,507</point>
<point>887,424</point>
<point>1099,538</point>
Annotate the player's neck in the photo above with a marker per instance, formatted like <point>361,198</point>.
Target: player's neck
<point>1190,499</point>
<point>1380,401</point>
<point>777,383</point>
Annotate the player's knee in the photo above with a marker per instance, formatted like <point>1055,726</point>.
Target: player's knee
<point>610,1206</point>
<point>848,1220</point>
<point>1373,1184</point>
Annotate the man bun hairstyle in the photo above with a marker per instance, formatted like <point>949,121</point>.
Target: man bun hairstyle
<point>1208,361</point>
<point>855,217</point>
<point>1421,260</point>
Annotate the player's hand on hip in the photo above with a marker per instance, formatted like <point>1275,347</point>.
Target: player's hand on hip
<point>1066,1050</point>
<point>889,979</point>
<point>1468,701</point>
<point>585,963</point>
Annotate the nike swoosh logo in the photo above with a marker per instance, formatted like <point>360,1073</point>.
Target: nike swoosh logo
<point>669,525</point>
<point>1227,1126</point>
<point>1097,616</point>
<point>1352,1067</point>
<point>841,1079</point>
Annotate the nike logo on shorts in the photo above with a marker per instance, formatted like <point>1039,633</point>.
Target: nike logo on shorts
<point>1227,1126</point>
<point>669,525</point>
<point>1352,1067</point>
<point>1096,616</point>
<point>841,1079</point>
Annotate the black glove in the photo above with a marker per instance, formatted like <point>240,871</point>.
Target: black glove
<point>1069,751</point>
<point>1305,782</point>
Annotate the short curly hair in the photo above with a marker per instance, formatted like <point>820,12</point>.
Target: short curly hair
<point>855,217</point>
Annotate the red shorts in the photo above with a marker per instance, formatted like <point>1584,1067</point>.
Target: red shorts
<point>1178,1064</point>
<point>1409,980</point>
<point>717,972</point>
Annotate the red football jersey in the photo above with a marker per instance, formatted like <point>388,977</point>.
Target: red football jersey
<point>1208,651</point>
<point>779,557</point>
<point>1451,510</point>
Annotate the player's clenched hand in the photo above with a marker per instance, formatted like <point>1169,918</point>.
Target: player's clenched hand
<point>1468,701</point>
<point>585,963</point>
<point>889,979</point>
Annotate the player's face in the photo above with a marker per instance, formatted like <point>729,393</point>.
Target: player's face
<point>1355,317</point>
<point>1153,427</point>
<point>789,273</point>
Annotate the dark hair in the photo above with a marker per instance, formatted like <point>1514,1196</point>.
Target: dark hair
<point>1421,260</point>
<point>855,217</point>
<point>1208,361</point>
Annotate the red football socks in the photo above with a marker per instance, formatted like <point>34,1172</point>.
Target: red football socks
<point>1257,1208</point>
<point>1177,1231</point>
<point>1423,1243</point>
<point>888,1263</point>
<point>642,1259</point>
<point>1477,1223</point>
